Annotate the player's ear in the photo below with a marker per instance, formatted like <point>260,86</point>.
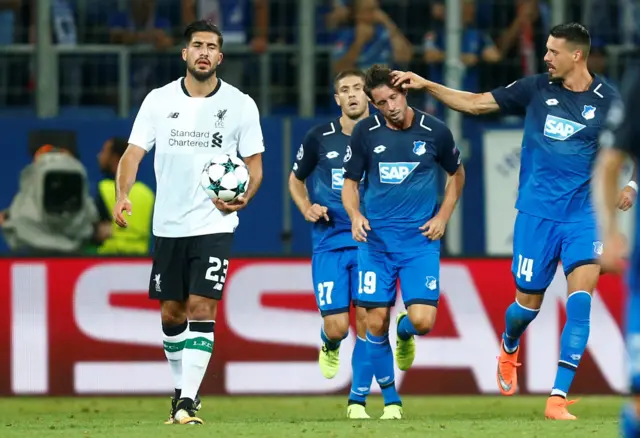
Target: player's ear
<point>335,96</point>
<point>184,54</point>
<point>220,56</point>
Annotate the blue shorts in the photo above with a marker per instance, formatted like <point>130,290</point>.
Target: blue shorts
<point>539,244</point>
<point>419,275</point>
<point>335,280</point>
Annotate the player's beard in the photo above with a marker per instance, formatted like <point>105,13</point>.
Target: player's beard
<point>199,75</point>
<point>356,113</point>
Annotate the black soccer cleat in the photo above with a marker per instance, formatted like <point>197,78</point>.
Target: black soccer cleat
<point>185,412</point>
<point>197,405</point>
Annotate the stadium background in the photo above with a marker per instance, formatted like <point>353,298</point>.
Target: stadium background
<point>59,71</point>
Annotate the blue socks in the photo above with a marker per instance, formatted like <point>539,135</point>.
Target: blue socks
<point>362,373</point>
<point>629,425</point>
<point>406,329</point>
<point>517,319</point>
<point>331,344</point>
<point>573,341</point>
<point>381,358</point>
<point>631,338</point>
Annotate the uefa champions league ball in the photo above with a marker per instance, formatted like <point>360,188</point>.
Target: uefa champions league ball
<point>225,177</point>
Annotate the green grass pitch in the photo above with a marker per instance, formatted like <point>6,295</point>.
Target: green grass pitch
<point>449,416</point>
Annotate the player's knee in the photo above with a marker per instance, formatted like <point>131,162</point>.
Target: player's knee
<point>173,313</point>
<point>336,327</point>
<point>202,308</point>
<point>378,321</point>
<point>361,322</point>
<point>584,278</point>
<point>529,301</point>
<point>422,317</point>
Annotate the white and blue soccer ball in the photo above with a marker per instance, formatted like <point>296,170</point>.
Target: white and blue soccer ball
<point>225,177</point>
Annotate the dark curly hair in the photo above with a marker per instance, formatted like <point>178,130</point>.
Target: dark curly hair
<point>376,76</point>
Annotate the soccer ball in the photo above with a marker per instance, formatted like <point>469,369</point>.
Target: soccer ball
<point>225,177</point>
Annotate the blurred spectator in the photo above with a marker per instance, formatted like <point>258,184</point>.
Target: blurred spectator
<point>63,32</point>
<point>522,37</point>
<point>9,10</point>
<point>52,211</point>
<point>477,46</point>
<point>372,38</point>
<point>140,25</point>
<point>233,17</point>
<point>111,238</point>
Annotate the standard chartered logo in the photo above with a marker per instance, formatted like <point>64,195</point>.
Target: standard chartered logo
<point>194,139</point>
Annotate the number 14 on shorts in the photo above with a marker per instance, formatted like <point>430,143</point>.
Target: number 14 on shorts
<point>525,268</point>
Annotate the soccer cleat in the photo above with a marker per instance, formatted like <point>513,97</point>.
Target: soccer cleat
<point>392,412</point>
<point>197,405</point>
<point>557,408</point>
<point>329,361</point>
<point>186,413</point>
<point>405,350</point>
<point>357,412</point>
<point>507,373</point>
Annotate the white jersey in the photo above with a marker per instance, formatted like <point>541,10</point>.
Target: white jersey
<point>187,132</point>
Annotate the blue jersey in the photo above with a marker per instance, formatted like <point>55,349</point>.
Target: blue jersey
<point>401,182</point>
<point>559,144</point>
<point>320,159</point>
<point>623,132</point>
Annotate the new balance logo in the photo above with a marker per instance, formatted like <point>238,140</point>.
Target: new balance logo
<point>561,129</point>
<point>173,115</point>
<point>216,140</point>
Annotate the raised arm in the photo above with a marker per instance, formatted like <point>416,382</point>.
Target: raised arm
<point>462,101</point>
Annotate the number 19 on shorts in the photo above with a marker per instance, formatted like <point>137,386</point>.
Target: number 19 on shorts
<point>366,282</point>
<point>525,268</point>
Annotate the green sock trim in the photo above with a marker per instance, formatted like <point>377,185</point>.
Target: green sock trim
<point>173,347</point>
<point>200,343</point>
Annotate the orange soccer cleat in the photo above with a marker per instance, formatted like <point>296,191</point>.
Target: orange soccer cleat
<point>507,373</point>
<point>557,408</point>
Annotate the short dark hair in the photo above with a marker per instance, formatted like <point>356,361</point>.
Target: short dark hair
<point>574,33</point>
<point>202,26</point>
<point>376,76</point>
<point>348,73</point>
<point>118,146</point>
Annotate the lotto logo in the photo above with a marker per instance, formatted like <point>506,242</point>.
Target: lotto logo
<point>561,129</point>
<point>395,173</point>
<point>337,179</point>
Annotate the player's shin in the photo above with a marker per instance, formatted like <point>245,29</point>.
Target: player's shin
<point>360,363</point>
<point>174,337</point>
<point>196,355</point>
<point>573,341</point>
<point>381,358</point>
<point>517,319</point>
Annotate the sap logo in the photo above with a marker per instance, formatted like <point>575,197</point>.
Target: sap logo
<point>395,173</point>
<point>561,129</point>
<point>337,179</point>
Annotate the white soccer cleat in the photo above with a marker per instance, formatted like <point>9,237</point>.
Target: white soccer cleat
<point>392,412</point>
<point>357,412</point>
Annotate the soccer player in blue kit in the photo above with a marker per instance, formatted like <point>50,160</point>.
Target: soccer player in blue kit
<point>565,112</point>
<point>399,151</point>
<point>622,137</point>
<point>334,263</point>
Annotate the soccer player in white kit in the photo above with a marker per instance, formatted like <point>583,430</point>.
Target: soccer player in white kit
<point>190,120</point>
